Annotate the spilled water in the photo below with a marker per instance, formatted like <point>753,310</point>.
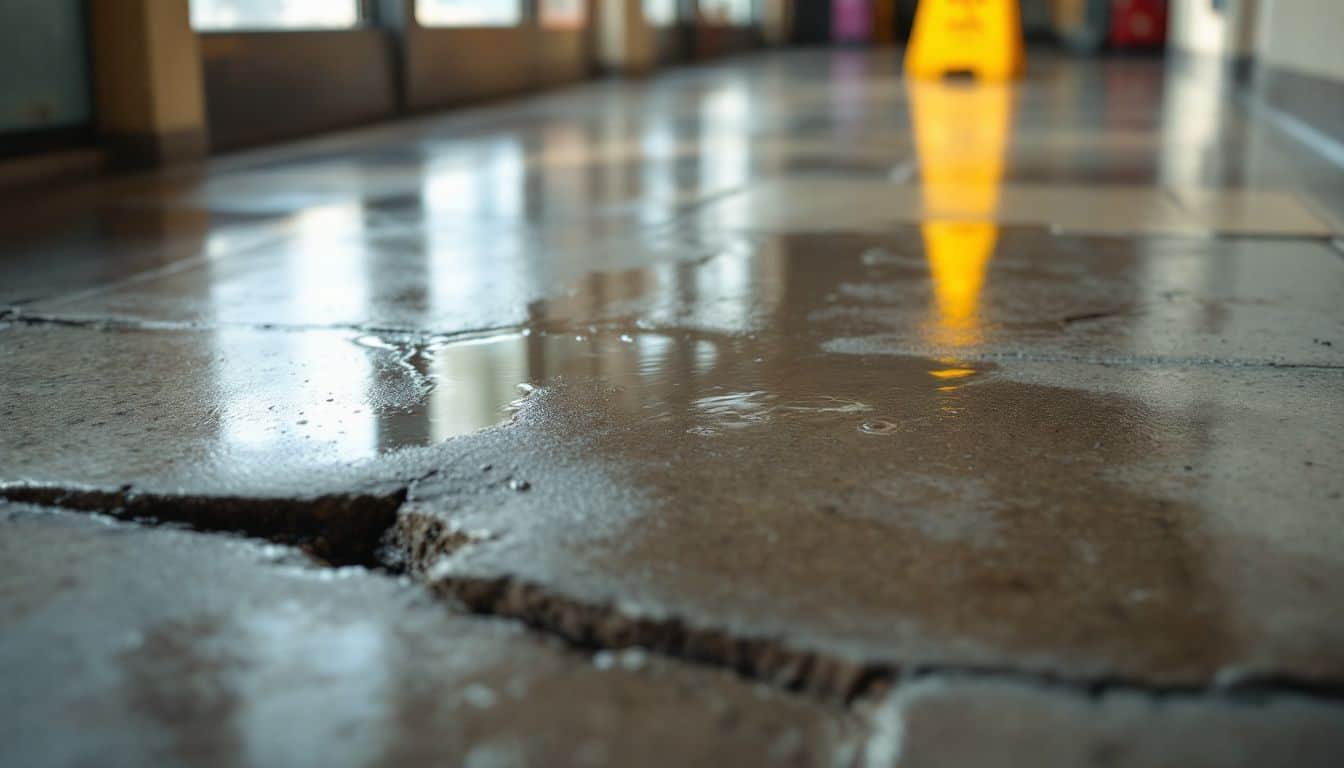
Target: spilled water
<point>705,349</point>
<point>699,383</point>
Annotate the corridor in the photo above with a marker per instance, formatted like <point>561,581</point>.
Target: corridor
<point>774,410</point>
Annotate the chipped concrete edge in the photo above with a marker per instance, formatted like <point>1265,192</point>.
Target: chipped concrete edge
<point>335,529</point>
<point>372,529</point>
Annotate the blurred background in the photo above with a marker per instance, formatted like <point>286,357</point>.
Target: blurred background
<point>91,85</point>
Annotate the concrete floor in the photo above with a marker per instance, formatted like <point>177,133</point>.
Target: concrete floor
<point>769,412</point>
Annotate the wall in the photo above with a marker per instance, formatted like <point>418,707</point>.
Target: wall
<point>162,93</point>
<point>43,66</point>
<point>1196,27</point>
<point>712,40</point>
<point>672,43</point>
<point>1292,48</point>
<point>263,86</point>
<point>147,82</point>
<point>777,20</point>
<point>812,22</point>
<point>626,43</point>
<point>1300,62</point>
<point>451,66</point>
<point>1303,36</point>
<point>175,66</point>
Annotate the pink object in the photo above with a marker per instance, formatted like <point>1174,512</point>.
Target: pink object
<point>852,21</point>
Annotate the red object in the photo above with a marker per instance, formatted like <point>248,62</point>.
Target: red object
<point>1138,23</point>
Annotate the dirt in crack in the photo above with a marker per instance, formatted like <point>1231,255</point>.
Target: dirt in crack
<point>337,529</point>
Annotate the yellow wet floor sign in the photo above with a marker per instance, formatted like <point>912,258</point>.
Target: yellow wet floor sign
<point>981,37</point>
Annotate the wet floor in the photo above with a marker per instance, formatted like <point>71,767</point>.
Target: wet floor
<point>779,366</point>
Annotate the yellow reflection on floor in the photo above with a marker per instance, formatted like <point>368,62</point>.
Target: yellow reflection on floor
<point>961,132</point>
<point>952,373</point>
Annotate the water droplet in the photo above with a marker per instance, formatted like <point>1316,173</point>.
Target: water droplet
<point>879,427</point>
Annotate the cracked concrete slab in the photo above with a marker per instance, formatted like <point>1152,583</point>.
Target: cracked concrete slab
<point>232,652</point>
<point>771,501</point>
<point>821,518</point>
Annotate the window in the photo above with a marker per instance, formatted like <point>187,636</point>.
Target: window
<point>468,13</point>
<point>221,15</point>
<point>660,13</point>
<point>736,12</point>
<point>562,13</point>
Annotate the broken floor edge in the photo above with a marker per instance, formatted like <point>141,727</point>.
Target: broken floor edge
<point>589,628</point>
<point>602,626</point>
<point>335,529</point>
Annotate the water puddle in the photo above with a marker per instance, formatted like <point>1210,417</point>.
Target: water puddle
<point>701,384</point>
<point>706,349</point>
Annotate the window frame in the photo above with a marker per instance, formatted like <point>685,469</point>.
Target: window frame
<point>365,17</point>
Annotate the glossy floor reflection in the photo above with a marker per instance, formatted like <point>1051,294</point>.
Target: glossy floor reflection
<point>782,365</point>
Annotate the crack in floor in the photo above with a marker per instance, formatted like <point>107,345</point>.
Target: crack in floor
<point>597,627</point>
<point>1090,316</point>
<point>361,529</point>
<point>412,336</point>
<point>335,529</point>
<point>19,317</point>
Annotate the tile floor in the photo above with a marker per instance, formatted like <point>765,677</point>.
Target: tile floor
<point>774,411</point>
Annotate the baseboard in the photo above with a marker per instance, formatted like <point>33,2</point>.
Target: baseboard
<point>30,171</point>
